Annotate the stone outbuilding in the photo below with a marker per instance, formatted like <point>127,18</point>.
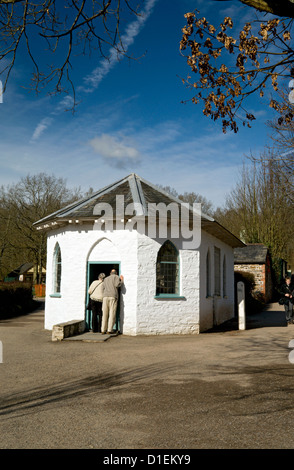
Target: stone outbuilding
<point>171,285</point>
<point>255,259</point>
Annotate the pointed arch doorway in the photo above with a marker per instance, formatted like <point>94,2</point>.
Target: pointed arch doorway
<point>94,268</point>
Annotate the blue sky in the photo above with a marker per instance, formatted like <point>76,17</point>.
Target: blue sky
<point>130,117</point>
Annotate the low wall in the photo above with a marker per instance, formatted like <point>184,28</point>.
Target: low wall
<point>70,328</point>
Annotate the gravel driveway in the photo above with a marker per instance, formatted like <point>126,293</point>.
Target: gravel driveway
<point>223,389</point>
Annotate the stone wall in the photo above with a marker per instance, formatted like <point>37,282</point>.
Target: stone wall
<point>67,329</point>
<point>262,277</point>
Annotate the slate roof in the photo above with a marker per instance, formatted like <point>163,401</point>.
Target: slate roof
<point>251,254</point>
<point>23,268</point>
<point>135,190</point>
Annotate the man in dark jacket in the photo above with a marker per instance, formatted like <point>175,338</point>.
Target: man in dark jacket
<point>110,298</point>
<point>287,292</point>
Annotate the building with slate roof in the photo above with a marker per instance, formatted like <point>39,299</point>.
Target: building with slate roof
<point>255,259</point>
<point>172,285</point>
<point>25,272</point>
<point>21,270</point>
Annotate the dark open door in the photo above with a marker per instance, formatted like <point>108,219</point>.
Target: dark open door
<point>93,271</point>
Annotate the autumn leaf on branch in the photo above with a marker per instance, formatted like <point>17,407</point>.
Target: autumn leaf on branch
<point>229,68</point>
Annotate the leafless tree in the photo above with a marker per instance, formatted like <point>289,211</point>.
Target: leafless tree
<point>190,197</point>
<point>60,30</point>
<point>22,204</point>
<point>282,149</point>
<point>259,209</point>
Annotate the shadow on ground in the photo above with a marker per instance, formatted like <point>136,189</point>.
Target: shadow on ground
<point>21,403</point>
<point>271,316</point>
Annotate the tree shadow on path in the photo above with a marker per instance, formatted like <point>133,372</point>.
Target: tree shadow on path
<point>272,316</point>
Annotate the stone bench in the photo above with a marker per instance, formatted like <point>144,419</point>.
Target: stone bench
<point>70,328</point>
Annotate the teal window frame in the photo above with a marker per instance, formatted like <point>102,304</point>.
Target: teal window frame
<point>167,273</point>
<point>57,270</point>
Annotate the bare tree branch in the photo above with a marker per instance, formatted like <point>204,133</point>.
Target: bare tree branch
<point>62,29</point>
<point>276,7</point>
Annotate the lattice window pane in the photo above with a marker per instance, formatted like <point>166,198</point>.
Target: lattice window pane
<point>57,270</point>
<point>167,270</point>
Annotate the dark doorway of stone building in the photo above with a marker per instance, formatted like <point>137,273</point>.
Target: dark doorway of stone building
<point>93,271</point>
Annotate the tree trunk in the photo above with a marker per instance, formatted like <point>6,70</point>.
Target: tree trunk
<point>277,7</point>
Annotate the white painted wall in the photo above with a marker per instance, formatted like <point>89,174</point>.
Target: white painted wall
<point>141,313</point>
<point>78,246</point>
<point>215,309</point>
<point>166,316</point>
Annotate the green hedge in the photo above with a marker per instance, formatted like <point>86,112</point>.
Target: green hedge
<point>16,298</point>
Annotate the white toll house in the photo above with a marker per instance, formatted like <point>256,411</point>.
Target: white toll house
<point>177,264</point>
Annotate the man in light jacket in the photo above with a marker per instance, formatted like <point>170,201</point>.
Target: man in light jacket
<point>111,285</point>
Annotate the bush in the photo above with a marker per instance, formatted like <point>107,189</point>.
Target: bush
<point>254,302</point>
<point>16,298</point>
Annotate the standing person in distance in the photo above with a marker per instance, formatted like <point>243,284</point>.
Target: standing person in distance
<point>287,292</point>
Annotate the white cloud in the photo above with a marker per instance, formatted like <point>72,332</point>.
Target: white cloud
<point>100,72</point>
<point>41,127</point>
<point>127,39</point>
<point>115,152</point>
<point>64,105</point>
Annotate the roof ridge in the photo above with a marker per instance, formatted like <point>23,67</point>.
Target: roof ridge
<point>137,193</point>
<point>135,182</point>
<point>80,202</point>
<point>174,198</point>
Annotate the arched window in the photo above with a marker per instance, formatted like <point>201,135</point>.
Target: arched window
<point>56,269</point>
<point>217,271</point>
<point>208,275</point>
<point>224,277</point>
<point>167,270</point>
